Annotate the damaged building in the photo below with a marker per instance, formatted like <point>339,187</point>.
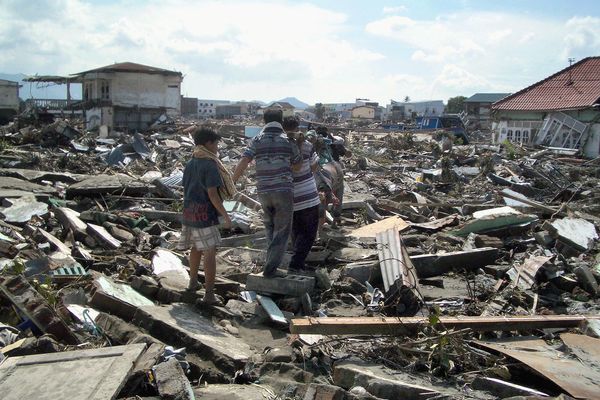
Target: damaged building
<point>561,111</point>
<point>9,100</point>
<point>129,96</point>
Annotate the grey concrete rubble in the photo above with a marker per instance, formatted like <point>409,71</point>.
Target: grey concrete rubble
<point>469,233</point>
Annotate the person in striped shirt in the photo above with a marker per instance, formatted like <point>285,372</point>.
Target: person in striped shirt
<point>306,198</point>
<point>275,158</point>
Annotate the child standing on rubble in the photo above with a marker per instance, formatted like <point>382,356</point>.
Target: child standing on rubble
<point>204,177</point>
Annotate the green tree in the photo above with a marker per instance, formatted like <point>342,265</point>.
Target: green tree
<point>455,104</point>
<point>319,111</point>
<point>407,99</point>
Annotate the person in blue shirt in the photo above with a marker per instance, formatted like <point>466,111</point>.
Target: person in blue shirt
<point>276,157</point>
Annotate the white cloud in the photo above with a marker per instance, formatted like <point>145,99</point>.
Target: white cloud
<point>260,46</point>
<point>582,34</point>
<point>457,78</point>
<point>394,10</point>
<point>478,51</point>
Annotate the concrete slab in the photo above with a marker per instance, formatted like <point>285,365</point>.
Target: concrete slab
<point>429,265</point>
<point>170,270</point>
<point>171,381</point>
<point>291,285</point>
<point>70,220</point>
<point>54,241</point>
<point>576,232</point>
<point>233,392</point>
<point>23,209</point>
<point>18,290</point>
<point>181,325</point>
<point>378,382</point>
<point>102,236</point>
<point>108,184</point>
<point>38,176</point>
<point>8,184</point>
<point>96,374</point>
<point>350,254</point>
<point>116,298</point>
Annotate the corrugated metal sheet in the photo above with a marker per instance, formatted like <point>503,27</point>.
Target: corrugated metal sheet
<point>575,87</point>
<point>394,260</point>
<point>577,375</point>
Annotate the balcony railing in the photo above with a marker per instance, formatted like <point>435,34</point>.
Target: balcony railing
<point>50,104</point>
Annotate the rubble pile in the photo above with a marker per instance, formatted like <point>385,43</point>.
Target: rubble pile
<point>458,271</point>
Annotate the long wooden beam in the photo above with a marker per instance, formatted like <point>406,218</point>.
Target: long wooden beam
<point>411,325</point>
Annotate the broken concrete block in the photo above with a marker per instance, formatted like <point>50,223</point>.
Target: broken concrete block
<point>103,237</point>
<point>119,233</point>
<point>543,238</point>
<point>233,392</point>
<point>291,285</point>
<point>429,265</point>
<point>284,354</point>
<point>18,290</point>
<point>361,271</point>
<point>171,381</point>
<point>120,184</point>
<point>122,332</point>
<point>22,209</point>
<point>170,270</point>
<point>587,280</point>
<point>324,392</point>
<point>575,232</point>
<point>116,298</point>
<point>95,374</point>
<point>146,285</point>
<point>70,220</point>
<point>181,325</point>
<point>55,243</point>
<point>377,382</point>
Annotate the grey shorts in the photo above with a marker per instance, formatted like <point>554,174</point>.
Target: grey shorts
<point>199,238</point>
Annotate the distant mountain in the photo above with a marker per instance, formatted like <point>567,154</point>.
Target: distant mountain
<point>42,90</point>
<point>295,102</point>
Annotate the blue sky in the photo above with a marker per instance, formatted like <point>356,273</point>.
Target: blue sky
<point>317,51</point>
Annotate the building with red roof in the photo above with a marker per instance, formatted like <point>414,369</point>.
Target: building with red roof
<point>562,110</point>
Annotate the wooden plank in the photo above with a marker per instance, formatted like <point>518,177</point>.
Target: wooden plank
<point>411,325</point>
<point>371,230</point>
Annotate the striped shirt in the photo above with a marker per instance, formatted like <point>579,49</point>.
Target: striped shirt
<point>274,155</point>
<point>305,188</point>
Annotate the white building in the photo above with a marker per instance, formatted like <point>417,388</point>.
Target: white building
<point>407,110</point>
<point>9,100</point>
<point>208,108</point>
<point>129,96</point>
